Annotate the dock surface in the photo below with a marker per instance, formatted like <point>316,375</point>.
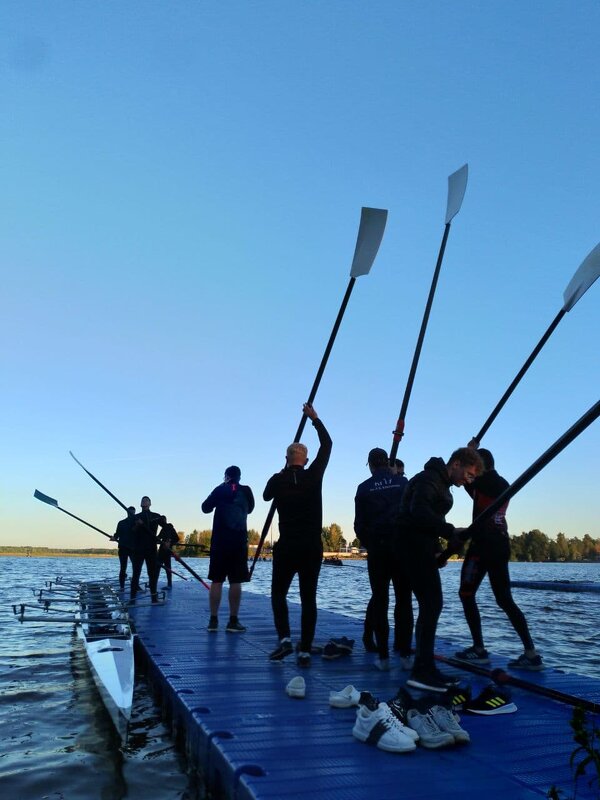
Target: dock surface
<point>227,704</point>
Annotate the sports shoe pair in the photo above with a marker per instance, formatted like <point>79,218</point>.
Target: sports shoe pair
<point>437,728</point>
<point>491,700</point>
<point>335,648</point>
<point>379,727</point>
<point>233,626</point>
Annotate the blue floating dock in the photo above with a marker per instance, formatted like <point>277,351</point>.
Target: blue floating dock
<point>227,705</point>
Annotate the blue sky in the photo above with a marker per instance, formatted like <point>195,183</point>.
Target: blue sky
<point>182,185</point>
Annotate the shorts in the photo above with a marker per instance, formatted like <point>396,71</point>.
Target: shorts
<point>229,560</point>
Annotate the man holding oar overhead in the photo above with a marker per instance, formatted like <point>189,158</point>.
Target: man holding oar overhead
<point>489,553</point>
<point>297,495</point>
<point>422,520</point>
<point>144,530</point>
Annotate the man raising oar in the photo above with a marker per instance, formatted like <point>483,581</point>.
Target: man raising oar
<point>144,529</point>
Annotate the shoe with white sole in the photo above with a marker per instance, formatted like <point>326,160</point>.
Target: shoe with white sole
<point>491,700</point>
<point>378,728</point>
<point>430,735</point>
<point>348,697</point>
<point>296,687</point>
<point>447,721</point>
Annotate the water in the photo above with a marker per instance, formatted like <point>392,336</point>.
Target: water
<point>57,740</point>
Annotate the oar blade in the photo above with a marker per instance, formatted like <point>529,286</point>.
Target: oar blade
<point>457,186</point>
<point>45,499</point>
<point>585,276</point>
<point>370,234</point>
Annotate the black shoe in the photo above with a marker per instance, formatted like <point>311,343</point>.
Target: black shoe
<point>491,701</point>
<point>345,644</point>
<point>368,700</point>
<point>401,704</point>
<point>303,659</point>
<point>213,625</point>
<point>283,649</point>
<point>431,681</point>
<point>235,626</point>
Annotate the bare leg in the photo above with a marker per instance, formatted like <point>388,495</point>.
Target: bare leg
<point>235,596</point>
<point>214,598</point>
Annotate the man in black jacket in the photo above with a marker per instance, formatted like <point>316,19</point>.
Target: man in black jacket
<point>124,536</point>
<point>297,493</point>
<point>422,520</point>
<point>376,505</point>
<point>145,527</point>
<point>489,553</point>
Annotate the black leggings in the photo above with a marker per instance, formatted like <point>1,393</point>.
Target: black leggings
<point>306,562</point>
<point>383,568</point>
<point>152,568</point>
<point>124,554</point>
<point>422,574</point>
<point>491,557</point>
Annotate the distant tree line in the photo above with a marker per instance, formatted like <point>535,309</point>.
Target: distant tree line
<point>536,546</point>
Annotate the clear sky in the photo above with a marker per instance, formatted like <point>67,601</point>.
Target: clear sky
<point>181,191</point>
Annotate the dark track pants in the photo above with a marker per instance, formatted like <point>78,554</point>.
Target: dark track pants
<point>383,569</point>
<point>490,556</point>
<point>124,554</point>
<point>289,560</point>
<point>150,559</point>
<point>420,570</point>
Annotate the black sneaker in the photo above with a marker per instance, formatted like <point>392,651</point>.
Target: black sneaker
<point>368,700</point>
<point>283,649</point>
<point>532,663</point>
<point>344,644</point>
<point>400,705</point>
<point>492,700</point>
<point>456,697</point>
<point>332,651</point>
<point>235,626</point>
<point>473,655</point>
<point>431,681</point>
<point>213,625</point>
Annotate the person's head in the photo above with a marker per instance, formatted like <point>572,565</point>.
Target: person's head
<point>131,511</point>
<point>487,458</point>
<point>296,455</point>
<point>464,465</point>
<point>162,521</point>
<point>233,474</point>
<point>398,467</point>
<point>145,503</point>
<point>377,459</point>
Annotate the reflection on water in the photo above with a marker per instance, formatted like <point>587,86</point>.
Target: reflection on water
<point>57,740</point>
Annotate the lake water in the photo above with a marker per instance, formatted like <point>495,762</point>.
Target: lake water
<point>57,741</point>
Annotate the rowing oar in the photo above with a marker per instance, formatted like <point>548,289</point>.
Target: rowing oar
<point>370,234</point>
<point>52,502</point>
<point>500,677</point>
<point>588,271</point>
<point>457,184</point>
<point>94,478</point>
<point>559,445</point>
<point>189,569</point>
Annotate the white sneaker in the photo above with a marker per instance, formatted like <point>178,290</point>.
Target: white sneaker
<point>376,727</point>
<point>347,698</point>
<point>430,735</point>
<point>447,721</point>
<point>412,734</point>
<point>296,687</point>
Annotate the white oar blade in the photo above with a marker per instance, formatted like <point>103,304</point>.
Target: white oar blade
<point>45,499</point>
<point>457,186</point>
<point>370,234</point>
<point>583,279</point>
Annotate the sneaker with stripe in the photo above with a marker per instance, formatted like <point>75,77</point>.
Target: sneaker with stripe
<point>379,728</point>
<point>447,721</point>
<point>474,655</point>
<point>491,700</point>
<point>532,663</point>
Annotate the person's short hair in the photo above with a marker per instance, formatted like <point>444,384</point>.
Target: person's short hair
<point>486,457</point>
<point>131,509</point>
<point>297,448</point>
<point>378,457</point>
<point>233,473</point>
<point>145,497</point>
<point>398,463</point>
<point>467,457</point>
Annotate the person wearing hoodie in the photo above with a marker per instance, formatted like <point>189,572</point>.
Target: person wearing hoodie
<point>376,508</point>
<point>421,522</point>
<point>231,502</point>
<point>488,554</point>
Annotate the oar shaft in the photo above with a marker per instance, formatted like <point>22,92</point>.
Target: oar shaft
<point>89,524</point>
<point>399,431</point>
<point>94,478</point>
<point>520,374</point>
<point>311,397</point>
<point>180,560</point>
<point>500,676</point>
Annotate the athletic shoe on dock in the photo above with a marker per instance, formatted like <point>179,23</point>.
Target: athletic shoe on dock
<point>431,681</point>
<point>303,659</point>
<point>379,728</point>
<point>532,663</point>
<point>283,649</point>
<point>447,721</point>
<point>348,697</point>
<point>490,701</point>
<point>235,626</point>
<point>213,625</point>
<point>473,655</point>
<point>430,735</point>
<point>296,688</point>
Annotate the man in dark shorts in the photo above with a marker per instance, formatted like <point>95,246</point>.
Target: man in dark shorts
<point>489,553</point>
<point>376,505</point>
<point>145,526</point>
<point>297,493</point>
<point>125,537</point>
<point>231,503</point>
<point>422,520</point>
